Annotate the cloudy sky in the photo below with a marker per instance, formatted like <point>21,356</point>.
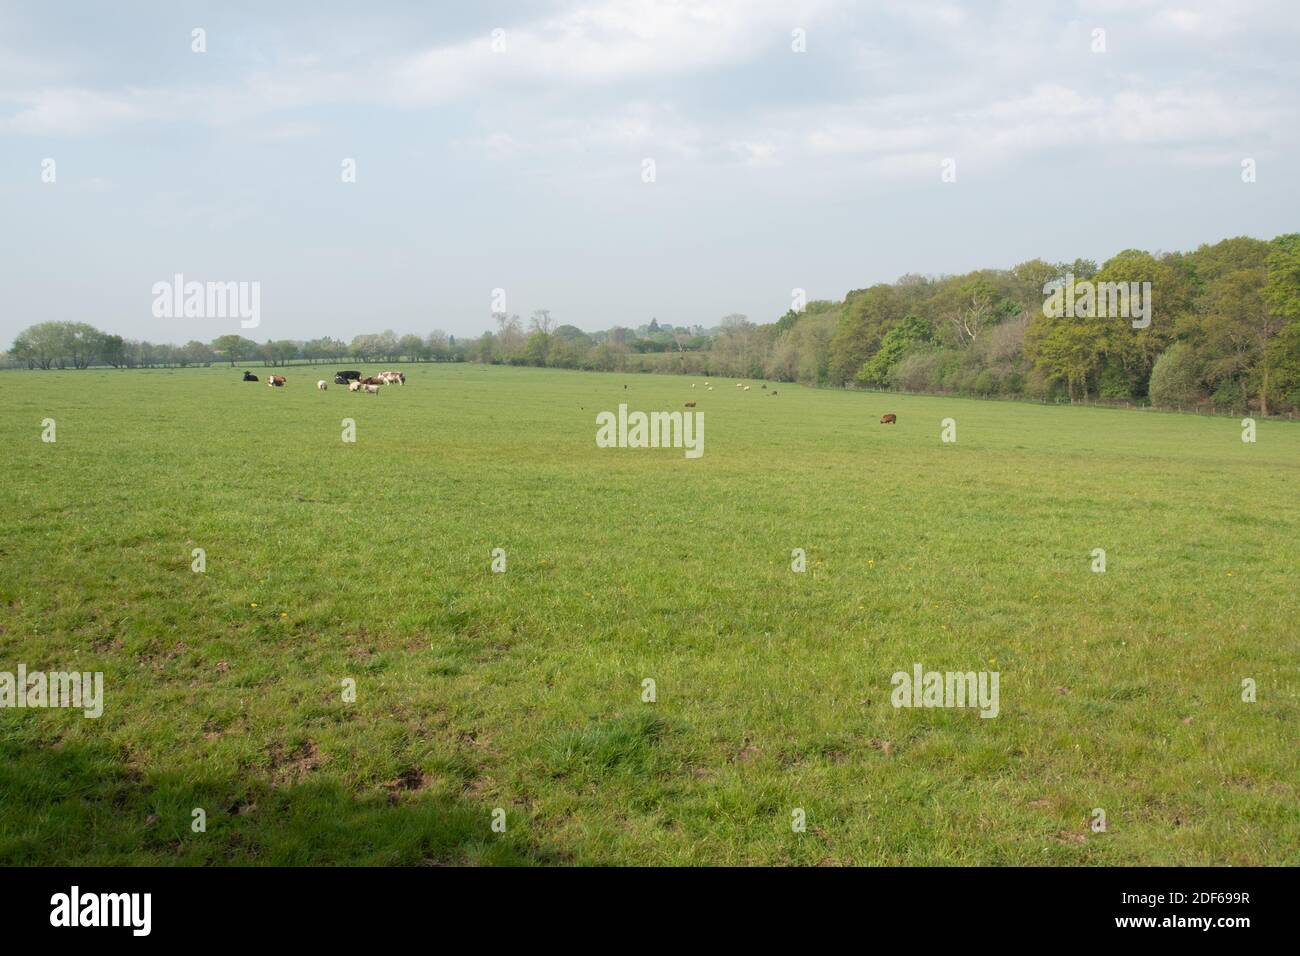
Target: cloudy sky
<point>503,145</point>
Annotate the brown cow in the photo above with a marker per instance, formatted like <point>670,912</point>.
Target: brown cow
<point>890,419</point>
<point>690,404</point>
<point>372,381</point>
<point>275,381</point>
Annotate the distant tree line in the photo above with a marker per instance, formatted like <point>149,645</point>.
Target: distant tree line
<point>1225,333</point>
<point>78,345</point>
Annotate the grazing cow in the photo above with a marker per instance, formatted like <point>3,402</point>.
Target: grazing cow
<point>371,389</point>
<point>321,385</point>
<point>250,377</point>
<point>372,380</point>
<point>350,374</point>
<point>690,404</point>
<point>890,419</point>
<point>393,378</point>
<point>354,386</point>
<point>275,381</point>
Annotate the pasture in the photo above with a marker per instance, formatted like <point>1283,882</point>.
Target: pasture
<point>474,690</point>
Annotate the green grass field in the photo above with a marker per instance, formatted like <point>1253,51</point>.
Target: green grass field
<point>523,690</point>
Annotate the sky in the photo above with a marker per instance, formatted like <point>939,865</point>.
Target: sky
<point>807,144</point>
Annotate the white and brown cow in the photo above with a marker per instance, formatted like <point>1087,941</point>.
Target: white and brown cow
<point>275,381</point>
<point>393,378</point>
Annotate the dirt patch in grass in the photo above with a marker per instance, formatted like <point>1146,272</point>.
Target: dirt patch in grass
<point>410,780</point>
<point>294,766</point>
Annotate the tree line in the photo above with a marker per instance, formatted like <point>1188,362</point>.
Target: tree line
<point>50,345</point>
<point>1224,332</point>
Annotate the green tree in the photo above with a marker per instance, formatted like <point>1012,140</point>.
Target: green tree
<point>234,348</point>
<point>866,317</point>
<point>912,332</point>
<point>1176,377</point>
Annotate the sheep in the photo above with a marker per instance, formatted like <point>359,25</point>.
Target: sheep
<point>321,385</point>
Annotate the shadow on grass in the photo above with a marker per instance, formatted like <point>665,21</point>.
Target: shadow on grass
<point>81,805</point>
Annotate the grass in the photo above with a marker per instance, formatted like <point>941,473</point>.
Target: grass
<point>328,561</point>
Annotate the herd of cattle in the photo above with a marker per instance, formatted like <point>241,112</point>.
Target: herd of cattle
<point>355,383</point>
<point>351,378</point>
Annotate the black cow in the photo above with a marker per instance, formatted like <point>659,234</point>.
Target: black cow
<point>349,375</point>
<point>250,377</point>
<point>340,380</point>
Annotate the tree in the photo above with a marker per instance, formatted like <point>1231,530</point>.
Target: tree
<point>1067,349</point>
<point>866,317</point>
<point>912,332</point>
<point>38,345</point>
<point>114,351</point>
<point>541,322</point>
<point>194,353</point>
<point>412,347</point>
<point>234,348</point>
<point>509,337</point>
<point>969,321</point>
<point>438,345</point>
<point>1176,377</point>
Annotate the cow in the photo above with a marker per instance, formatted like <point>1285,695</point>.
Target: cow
<point>690,404</point>
<point>340,380</point>
<point>372,381</point>
<point>371,389</point>
<point>354,386</point>
<point>350,374</point>
<point>250,377</point>
<point>890,419</point>
<point>321,385</point>
<point>275,381</point>
<point>393,378</point>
